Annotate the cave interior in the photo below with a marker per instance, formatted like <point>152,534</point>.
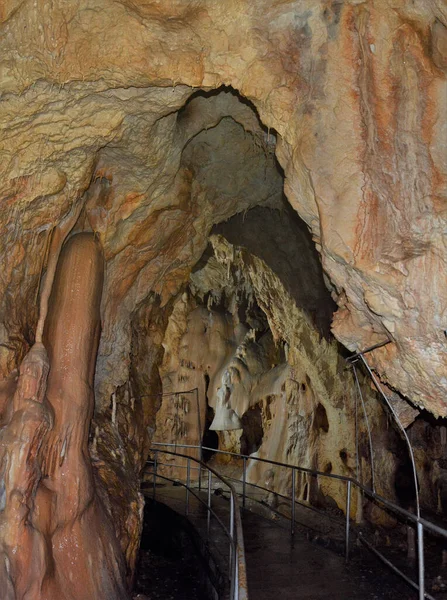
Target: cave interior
<point>177,270</point>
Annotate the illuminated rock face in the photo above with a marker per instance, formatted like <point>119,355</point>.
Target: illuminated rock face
<point>57,541</point>
<point>110,114</point>
<point>356,95</point>
<point>274,386</point>
<point>289,395</point>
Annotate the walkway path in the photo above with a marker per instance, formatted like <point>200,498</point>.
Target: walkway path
<point>278,570</point>
<point>307,571</point>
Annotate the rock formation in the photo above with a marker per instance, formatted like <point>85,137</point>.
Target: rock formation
<point>144,125</point>
<point>276,388</point>
<point>57,541</point>
<point>355,94</point>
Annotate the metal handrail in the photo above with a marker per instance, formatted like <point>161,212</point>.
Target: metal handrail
<point>421,523</point>
<point>234,531</point>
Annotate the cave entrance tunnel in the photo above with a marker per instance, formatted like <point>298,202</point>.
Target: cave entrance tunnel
<point>249,330</point>
<point>254,309</point>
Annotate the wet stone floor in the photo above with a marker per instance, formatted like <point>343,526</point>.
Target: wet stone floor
<point>307,571</point>
<point>276,569</point>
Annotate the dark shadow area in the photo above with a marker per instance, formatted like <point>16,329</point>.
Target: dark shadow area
<point>169,563</point>
<point>252,434</point>
<point>282,240</point>
<point>321,420</point>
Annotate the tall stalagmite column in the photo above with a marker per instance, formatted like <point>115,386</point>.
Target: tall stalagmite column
<point>57,542</point>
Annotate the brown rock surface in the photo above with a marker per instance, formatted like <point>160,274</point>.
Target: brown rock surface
<point>356,95</point>
<point>138,122</point>
<point>57,541</point>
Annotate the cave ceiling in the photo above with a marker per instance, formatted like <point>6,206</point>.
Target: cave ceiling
<point>151,122</point>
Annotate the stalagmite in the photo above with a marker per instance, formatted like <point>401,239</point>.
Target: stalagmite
<point>68,548</point>
<point>225,418</point>
<point>56,239</point>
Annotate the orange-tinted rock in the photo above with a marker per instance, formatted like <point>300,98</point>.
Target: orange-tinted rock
<point>95,111</point>
<point>356,94</point>
<point>51,512</point>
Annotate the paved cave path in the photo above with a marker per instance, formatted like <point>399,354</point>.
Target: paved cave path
<point>280,570</point>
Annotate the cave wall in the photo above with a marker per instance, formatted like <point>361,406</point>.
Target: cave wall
<point>96,125</point>
<point>355,93</point>
<point>236,332</point>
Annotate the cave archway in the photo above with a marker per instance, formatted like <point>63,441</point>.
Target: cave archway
<point>108,135</point>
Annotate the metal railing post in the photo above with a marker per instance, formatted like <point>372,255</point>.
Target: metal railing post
<point>233,591</point>
<point>232,550</point>
<point>348,512</point>
<point>421,567</point>
<point>232,516</point>
<point>154,483</point>
<point>236,576</point>
<point>188,483</point>
<point>200,477</point>
<point>244,480</point>
<point>208,516</point>
<point>292,526</point>
<point>200,437</point>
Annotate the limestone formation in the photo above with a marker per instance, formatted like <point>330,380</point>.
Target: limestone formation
<point>143,125</point>
<point>57,541</point>
<point>276,388</point>
<point>354,96</point>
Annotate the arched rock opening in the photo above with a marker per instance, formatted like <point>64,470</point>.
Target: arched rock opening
<point>98,136</point>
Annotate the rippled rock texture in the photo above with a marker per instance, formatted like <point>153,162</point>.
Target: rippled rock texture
<point>356,94</point>
<point>57,540</point>
<point>147,123</point>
